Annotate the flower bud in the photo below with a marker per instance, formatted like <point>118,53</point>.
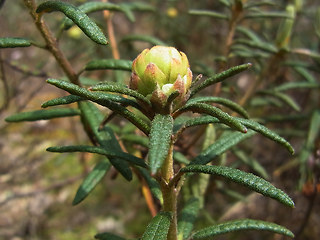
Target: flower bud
<point>160,71</point>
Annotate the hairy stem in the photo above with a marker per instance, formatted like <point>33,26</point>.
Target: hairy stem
<point>169,193</point>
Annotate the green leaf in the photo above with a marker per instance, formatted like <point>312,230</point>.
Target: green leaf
<point>187,218</point>
<point>104,100</point>
<point>139,6</point>
<point>107,236</point>
<point>158,228</point>
<point>223,101</point>
<point>267,15</point>
<point>143,38</point>
<point>179,157</point>
<point>135,139</point>
<point>258,4</point>
<point>99,150</point>
<point>249,33</point>
<point>120,89</point>
<point>78,17</point>
<point>100,6</point>
<point>14,42</point>
<point>160,138</point>
<point>264,46</point>
<point>62,100</point>
<point>238,225</point>
<point>252,163</point>
<point>299,85</point>
<point>153,184</point>
<point>215,112</point>
<point>91,118</point>
<point>91,181</point>
<point>90,7</point>
<point>267,133</point>
<point>43,114</point>
<point>283,97</point>
<point>220,146</point>
<point>208,13</point>
<point>248,180</point>
<point>115,64</point>
<point>220,77</point>
<point>303,72</point>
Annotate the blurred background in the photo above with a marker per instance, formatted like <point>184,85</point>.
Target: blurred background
<point>281,90</point>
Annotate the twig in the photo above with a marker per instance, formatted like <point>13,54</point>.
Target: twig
<point>51,42</point>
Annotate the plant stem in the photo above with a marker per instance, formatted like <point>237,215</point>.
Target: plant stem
<point>51,42</point>
<point>169,193</point>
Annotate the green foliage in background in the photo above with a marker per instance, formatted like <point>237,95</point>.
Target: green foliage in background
<point>257,74</point>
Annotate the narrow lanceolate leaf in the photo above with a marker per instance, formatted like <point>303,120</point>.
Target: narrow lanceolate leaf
<point>220,146</point>
<point>284,98</point>
<point>100,6</point>
<point>139,6</point>
<point>14,42</point>
<point>158,228</point>
<point>267,133</point>
<point>160,138</point>
<point>143,38</point>
<point>264,46</point>
<point>95,6</point>
<point>100,99</point>
<point>217,113</point>
<point>77,16</point>
<point>208,13</point>
<point>152,183</point>
<point>248,180</point>
<point>187,218</point>
<point>99,150</point>
<point>238,225</point>
<point>223,101</point>
<point>92,118</point>
<point>298,85</point>
<point>115,64</point>
<point>91,180</point>
<point>120,89</point>
<point>43,114</point>
<point>267,15</point>
<point>220,77</point>
<point>62,101</point>
<point>107,236</point>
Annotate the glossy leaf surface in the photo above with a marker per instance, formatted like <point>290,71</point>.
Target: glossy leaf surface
<point>248,180</point>
<point>88,26</point>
